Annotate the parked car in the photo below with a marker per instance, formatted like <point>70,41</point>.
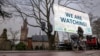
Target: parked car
<point>92,42</point>
<point>63,46</point>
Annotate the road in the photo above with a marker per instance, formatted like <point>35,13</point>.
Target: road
<point>50,53</point>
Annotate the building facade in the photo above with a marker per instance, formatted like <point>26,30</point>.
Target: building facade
<point>40,41</point>
<point>24,31</point>
<point>5,44</point>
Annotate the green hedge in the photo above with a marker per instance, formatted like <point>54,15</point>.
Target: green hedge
<point>21,46</point>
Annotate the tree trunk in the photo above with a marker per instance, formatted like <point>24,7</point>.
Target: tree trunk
<point>51,42</point>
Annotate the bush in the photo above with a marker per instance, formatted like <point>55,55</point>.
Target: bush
<point>21,46</point>
<point>41,48</point>
<point>37,48</point>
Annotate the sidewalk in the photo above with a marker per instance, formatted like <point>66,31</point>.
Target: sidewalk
<point>50,53</point>
<point>36,51</point>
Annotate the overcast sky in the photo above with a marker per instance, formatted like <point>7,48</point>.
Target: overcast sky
<point>15,23</point>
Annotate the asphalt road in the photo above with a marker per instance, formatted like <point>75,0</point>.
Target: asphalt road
<point>50,53</point>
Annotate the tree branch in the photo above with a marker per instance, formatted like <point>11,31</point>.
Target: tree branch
<point>35,5</point>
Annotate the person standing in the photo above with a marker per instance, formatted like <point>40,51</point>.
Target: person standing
<point>80,32</point>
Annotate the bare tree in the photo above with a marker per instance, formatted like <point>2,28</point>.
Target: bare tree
<point>3,13</point>
<point>96,27</point>
<point>14,37</point>
<point>42,11</point>
<point>40,14</point>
